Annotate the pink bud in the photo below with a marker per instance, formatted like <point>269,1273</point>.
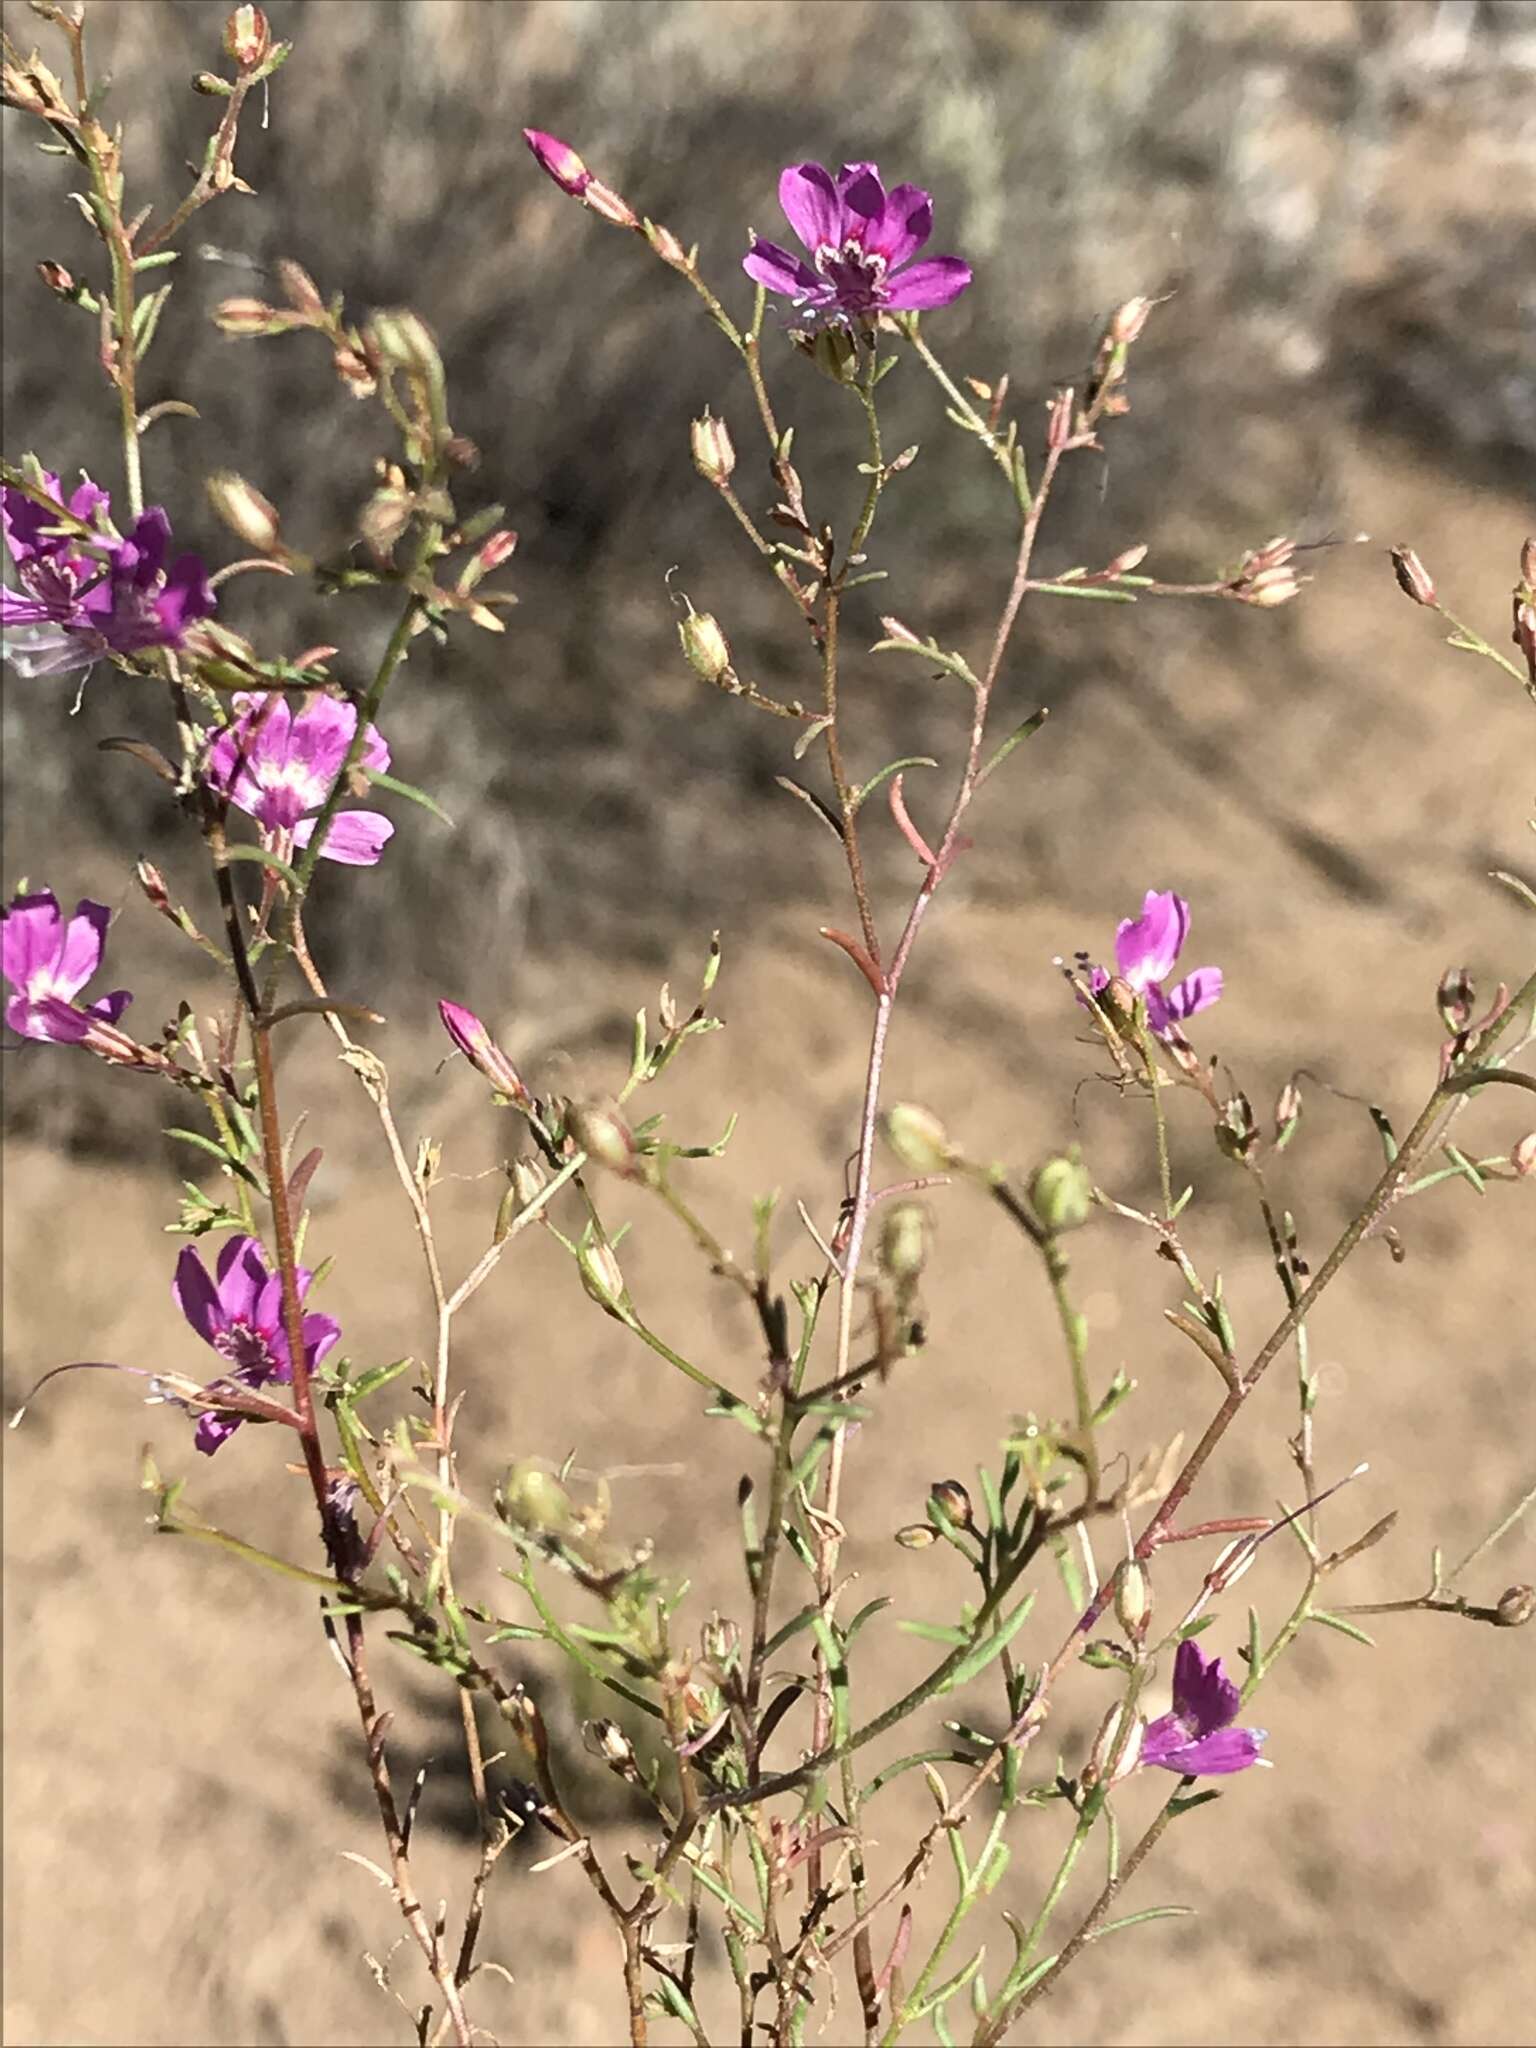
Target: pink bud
<point>559,160</point>
<point>481,1050</point>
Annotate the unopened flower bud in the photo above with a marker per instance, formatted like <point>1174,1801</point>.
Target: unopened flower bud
<point>1413,579</point>
<point>1129,320</point>
<point>1230,1566</point>
<point>904,1238</point>
<point>1237,1132</point>
<point>609,205</point>
<point>529,1180</point>
<point>707,649</point>
<point>243,509</point>
<point>1123,564</point>
<point>1456,998</point>
<point>917,1536</point>
<point>1523,1156</point>
<point>834,352</point>
<point>1287,1107</point>
<point>1524,635</point>
<point>247,37</point>
<point>952,1500</point>
<point>1515,1606</point>
<point>667,246</point>
<point>1061,1192</point>
<point>917,1138</point>
<point>713,455</point>
<point>601,1277</point>
<point>57,278</point>
<point>1133,1599</point>
<point>1102,1754</point>
<point>211,86</point>
<point>1271,587</point>
<point>559,160</point>
<point>152,882</point>
<point>607,1739</point>
<point>247,316</point>
<point>720,1640</point>
<point>604,1136</point>
<point>1060,420</point>
<point>481,1050</point>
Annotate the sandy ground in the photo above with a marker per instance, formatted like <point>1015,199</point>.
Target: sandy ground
<point>182,1774</point>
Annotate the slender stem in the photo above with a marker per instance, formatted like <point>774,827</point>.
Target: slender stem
<point>995,2029</point>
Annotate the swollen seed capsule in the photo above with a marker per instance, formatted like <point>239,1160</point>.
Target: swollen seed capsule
<point>1061,1193</point>
<point>904,1241</point>
<point>917,1138</point>
<point>706,647</point>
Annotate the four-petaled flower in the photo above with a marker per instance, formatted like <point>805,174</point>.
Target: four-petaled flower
<point>241,1316</point>
<point>83,597</point>
<point>1145,950</point>
<point>861,240</point>
<point>48,962</point>
<point>278,764</point>
<point>1197,1739</point>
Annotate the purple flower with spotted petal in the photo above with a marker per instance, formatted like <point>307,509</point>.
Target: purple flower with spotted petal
<point>1198,1739</point>
<point>240,1313</point>
<point>48,962</point>
<point>1146,948</point>
<point>278,764</point>
<point>82,597</point>
<point>861,240</point>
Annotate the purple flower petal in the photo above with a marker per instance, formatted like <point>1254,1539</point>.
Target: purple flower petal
<point>320,1333</point>
<point>776,270</point>
<point>1196,991</point>
<point>862,193</point>
<point>196,1296</point>
<point>1203,1695</point>
<point>108,1008</point>
<point>213,1430</point>
<point>903,228</point>
<point>30,937</point>
<point>1147,946</point>
<point>937,282</point>
<point>79,955</point>
<point>355,838</point>
<point>1215,1756</point>
<point>243,1276</point>
<point>811,206</point>
<point>187,596</point>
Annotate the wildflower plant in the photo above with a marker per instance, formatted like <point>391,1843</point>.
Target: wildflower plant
<point>742,1735</point>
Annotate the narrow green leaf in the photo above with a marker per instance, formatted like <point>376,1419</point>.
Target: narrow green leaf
<point>891,768</point>
<point>378,780</point>
<point>935,1632</point>
<point>994,1646</point>
<point>1136,1919</point>
<point>1020,733</point>
<point>1345,1628</point>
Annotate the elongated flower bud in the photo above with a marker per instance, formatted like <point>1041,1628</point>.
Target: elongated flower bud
<point>1413,579</point>
<point>559,161</point>
<point>1104,1743</point>
<point>904,1241</point>
<point>1133,1599</point>
<point>601,1277</point>
<point>247,514</point>
<point>714,456</point>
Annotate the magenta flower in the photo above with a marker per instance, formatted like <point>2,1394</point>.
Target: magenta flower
<point>241,1316</point>
<point>1145,950</point>
<point>84,598</point>
<point>277,764</point>
<point>1197,1739</point>
<point>861,241</point>
<point>48,962</point>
